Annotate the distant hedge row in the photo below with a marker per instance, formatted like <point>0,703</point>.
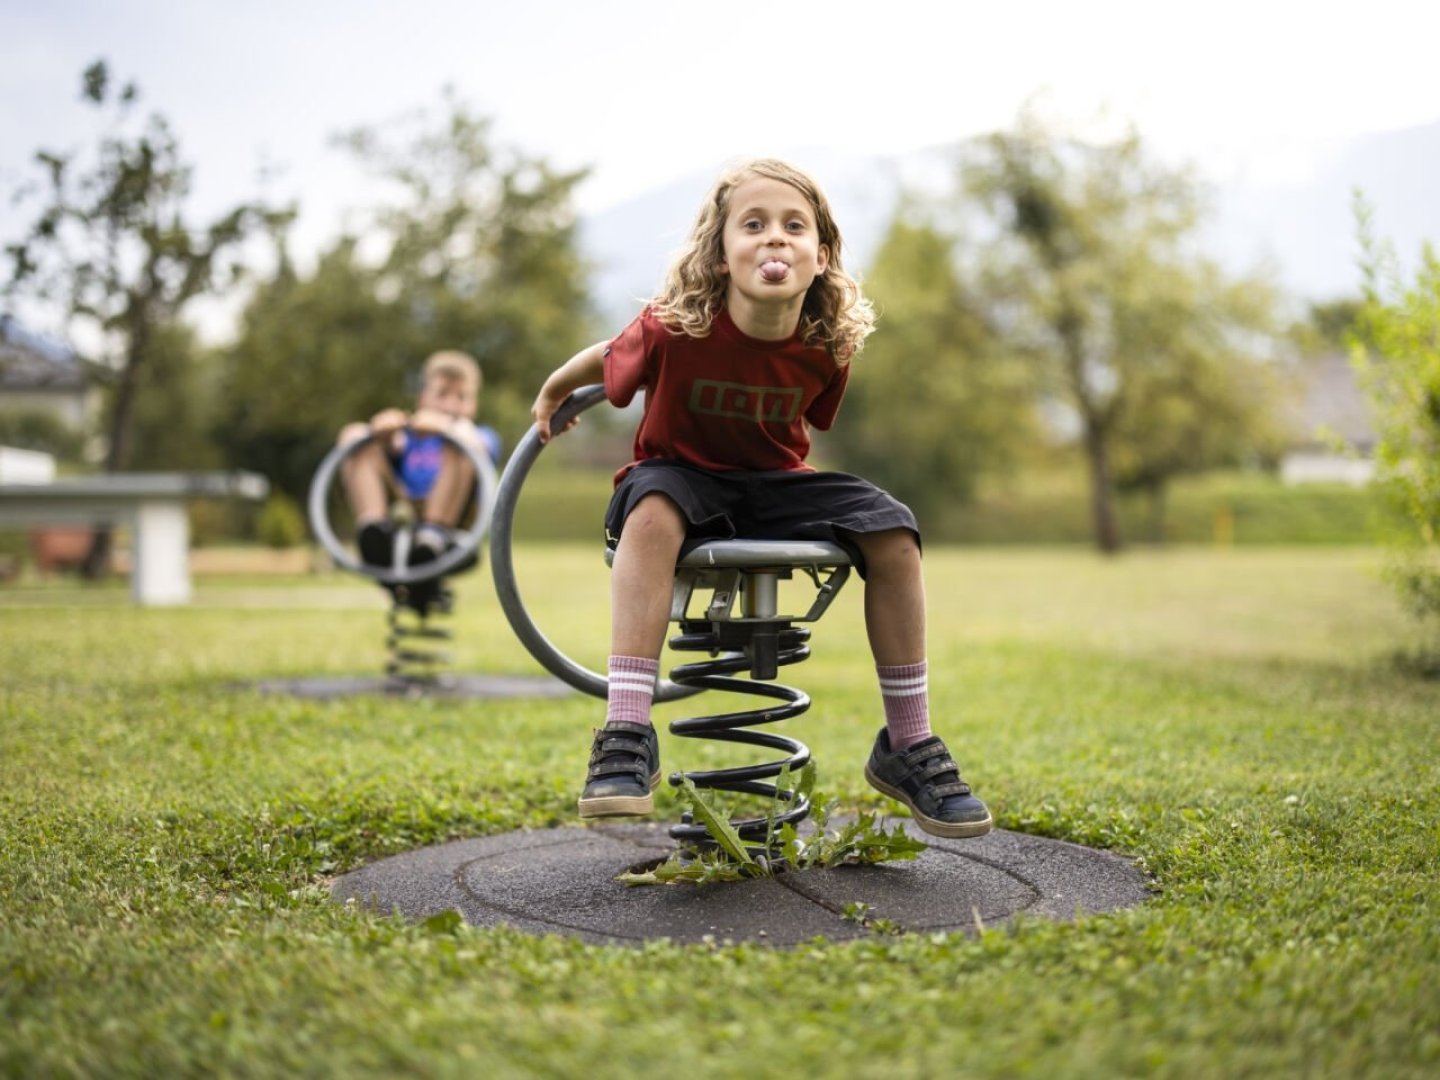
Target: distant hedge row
<point>1223,509</point>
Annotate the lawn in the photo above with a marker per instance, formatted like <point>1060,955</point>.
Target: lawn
<point>1231,719</point>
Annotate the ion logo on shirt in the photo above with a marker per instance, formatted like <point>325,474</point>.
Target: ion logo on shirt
<point>763,404</point>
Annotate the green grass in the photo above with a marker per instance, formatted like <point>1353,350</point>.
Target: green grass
<point>1229,718</point>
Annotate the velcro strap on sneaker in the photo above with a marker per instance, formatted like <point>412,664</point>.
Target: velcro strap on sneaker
<point>624,743</point>
<point>616,768</point>
<point>938,767</point>
<point>942,790</point>
<point>925,751</point>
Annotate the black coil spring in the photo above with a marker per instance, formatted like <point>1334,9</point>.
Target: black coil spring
<point>416,661</point>
<point>787,645</point>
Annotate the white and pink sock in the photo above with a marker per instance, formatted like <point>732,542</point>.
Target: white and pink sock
<point>632,687</point>
<point>904,690</point>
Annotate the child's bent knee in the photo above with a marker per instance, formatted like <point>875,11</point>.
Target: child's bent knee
<point>350,432</point>
<point>892,543</point>
<point>656,510</point>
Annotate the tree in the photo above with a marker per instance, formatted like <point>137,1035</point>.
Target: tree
<point>932,403</point>
<point>1396,352</point>
<point>482,250</point>
<point>1210,401</point>
<point>1093,274</point>
<point>476,249</point>
<point>174,403</point>
<point>112,247</point>
<point>312,353</point>
<point>1330,324</point>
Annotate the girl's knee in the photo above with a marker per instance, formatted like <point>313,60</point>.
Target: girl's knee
<point>656,511</point>
<point>894,548</point>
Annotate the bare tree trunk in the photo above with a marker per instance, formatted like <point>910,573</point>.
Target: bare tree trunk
<point>1102,491</point>
<point>117,454</point>
<point>97,559</point>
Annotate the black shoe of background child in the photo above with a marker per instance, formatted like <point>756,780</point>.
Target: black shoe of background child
<point>431,541</point>
<point>926,779</point>
<point>376,541</point>
<point>624,770</point>
<point>424,592</point>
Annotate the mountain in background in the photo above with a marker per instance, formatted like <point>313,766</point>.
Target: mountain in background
<point>1303,230</point>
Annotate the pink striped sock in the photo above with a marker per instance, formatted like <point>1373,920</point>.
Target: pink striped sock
<point>632,685</point>
<point>905,694</point>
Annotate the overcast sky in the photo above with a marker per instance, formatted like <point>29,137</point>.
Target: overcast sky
<point>647,91</point>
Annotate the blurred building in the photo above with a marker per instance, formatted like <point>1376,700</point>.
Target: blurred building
<point>45,386</point>
<point>1334,433</point>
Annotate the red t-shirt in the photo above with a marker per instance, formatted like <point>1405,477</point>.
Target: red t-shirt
<point>723,402</point>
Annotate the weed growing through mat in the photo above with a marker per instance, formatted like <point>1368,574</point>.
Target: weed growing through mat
<point>729,858</point>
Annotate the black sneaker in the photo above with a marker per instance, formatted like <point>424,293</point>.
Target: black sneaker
<point>426,546</point>
<point>926,779</point>
<point>624,770</point>
<point>376,541</point>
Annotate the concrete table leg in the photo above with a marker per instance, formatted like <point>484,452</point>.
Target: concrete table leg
<point>161,575</point>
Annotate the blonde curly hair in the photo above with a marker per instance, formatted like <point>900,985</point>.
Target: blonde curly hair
<point>835,314</point>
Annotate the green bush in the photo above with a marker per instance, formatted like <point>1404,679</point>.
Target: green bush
<point>1216,508</point>
<point>280,524</point>
<point>1397,356</point>
<point>33,429</point>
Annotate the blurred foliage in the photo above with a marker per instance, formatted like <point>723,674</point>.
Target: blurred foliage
<point>1207,403</point>
<point>175,402</point>
<point>216,522</point>
<point>934,402</point>
<point>280,524</point>
<point>1057,289</point>
<point>111,246</point>
<point>1397,356</point>
<point>477,250</point>
<point>1328,326</point>
<point>1092,271</point>
<point>1038,504</point>
<point>43,431</point>
<point>1242,509</point>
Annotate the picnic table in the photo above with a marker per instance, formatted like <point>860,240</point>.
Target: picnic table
<point>152,505</point>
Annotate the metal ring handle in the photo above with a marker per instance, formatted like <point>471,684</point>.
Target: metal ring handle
<point>467,542</point>
<point>502,563</point>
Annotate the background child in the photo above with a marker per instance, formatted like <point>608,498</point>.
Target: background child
<point>412,459</point>
<point>746,347</point>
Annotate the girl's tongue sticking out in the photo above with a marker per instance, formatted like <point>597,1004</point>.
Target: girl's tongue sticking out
<point>774,270</point>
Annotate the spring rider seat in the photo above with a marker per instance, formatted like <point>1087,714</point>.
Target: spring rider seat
<point>740,627</point>
<point>420,595</point>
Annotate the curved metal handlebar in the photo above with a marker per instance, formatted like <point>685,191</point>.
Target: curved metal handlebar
<point>502,563</point>
<point>466,542</point>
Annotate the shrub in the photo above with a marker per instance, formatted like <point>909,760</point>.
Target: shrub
<point>1396,351</point>
<point>280,525</point>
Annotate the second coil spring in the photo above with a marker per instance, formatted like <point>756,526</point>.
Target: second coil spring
<point>718,673</point>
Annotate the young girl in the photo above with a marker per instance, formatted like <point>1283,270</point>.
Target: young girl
<point>747,346</point>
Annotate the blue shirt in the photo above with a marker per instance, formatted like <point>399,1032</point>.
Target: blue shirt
<point>418,465</point>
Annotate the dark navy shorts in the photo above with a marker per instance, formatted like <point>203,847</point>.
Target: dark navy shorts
<point>762,505</point>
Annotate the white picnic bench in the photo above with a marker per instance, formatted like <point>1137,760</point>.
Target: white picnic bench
<point>152,505</point>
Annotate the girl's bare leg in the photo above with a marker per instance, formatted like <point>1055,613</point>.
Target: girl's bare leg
<point>625,755</point>
<point>894,596</point>
<point>642,577</point>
